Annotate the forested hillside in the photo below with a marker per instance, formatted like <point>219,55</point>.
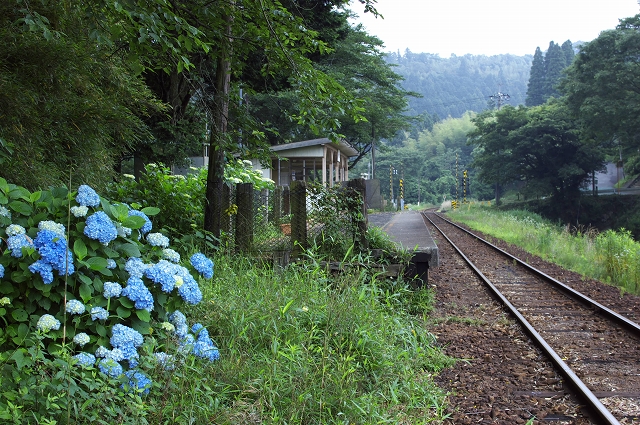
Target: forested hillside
<point>451,86</point>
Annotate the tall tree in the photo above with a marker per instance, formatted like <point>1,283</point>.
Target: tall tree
<point>536,86</point>
<point>602,85</point>
<point>554,63</point>
<point>569,54</point>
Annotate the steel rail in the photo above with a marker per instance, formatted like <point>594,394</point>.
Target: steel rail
<point>598,408</point>
<point>603,310</point>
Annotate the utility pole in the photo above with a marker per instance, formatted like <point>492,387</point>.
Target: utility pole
<point>500,98</point>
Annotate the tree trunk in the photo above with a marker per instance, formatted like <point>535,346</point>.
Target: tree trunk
<point>215,176</point>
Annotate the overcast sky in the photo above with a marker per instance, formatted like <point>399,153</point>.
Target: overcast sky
<point>490,27</point>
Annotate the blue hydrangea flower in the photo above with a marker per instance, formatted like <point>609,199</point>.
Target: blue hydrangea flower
<point>85,359</point>
<point>14,230</point>
<point>100,227</point>
<point>138,381</point>
<point>80,211</point>
<point>52,226</point>
<point>164,274</point>
<point>165,360</point>
<point>17,242</point>
<point>158,239</point>
<point>202,264</point>
<point>110,367</point>
<point>1,271</point>
<point>75,307</point>
<point>204,346</point>
<point>135,267</point>
<point>81,339</point>
<point>45,270</point>
<point>5,212</point>
<point>46,322</point>
<point>102,351</point>
<point>122,335</point>
<point>137,292</point>
<point>146,228</point>
<point>171,255</point>
<point>126,339</point>
<point>99,313</point>
<point>115,354</point>
<point>111,263</point>
<point>180,322</point>
<point>52,247</point>
<point>123,232</point>
<point>111,289</point>
<point>87,196</point>
<point>190,291</point>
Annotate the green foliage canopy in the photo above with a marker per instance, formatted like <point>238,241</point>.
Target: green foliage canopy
<point>539,145</point>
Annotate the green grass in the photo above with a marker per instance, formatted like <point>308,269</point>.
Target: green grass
<point>611,256</point>
<point>301,346</point>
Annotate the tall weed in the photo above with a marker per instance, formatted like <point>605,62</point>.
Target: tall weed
<point>611,256</point>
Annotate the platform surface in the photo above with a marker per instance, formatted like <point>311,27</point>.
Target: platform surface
<point>409,231</point>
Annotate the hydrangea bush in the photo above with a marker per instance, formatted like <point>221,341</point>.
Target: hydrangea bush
<point>91,274</point>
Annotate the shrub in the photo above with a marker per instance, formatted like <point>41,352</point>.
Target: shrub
<point>90,278</point>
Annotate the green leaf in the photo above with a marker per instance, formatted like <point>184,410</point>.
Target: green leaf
<point>96,263</point>
<point>19,193</point>
<point>150,211</point>
<point>134,222</point>
<point>143,315</point>
<point>126,302</point>
<point>101,330</point>
<point>20,358</point>
<point>35,196</point>
<point>20,315</point>
<point>23,330</point>
<point>85,279</point>
<point>21,207</point>
<point>120,212</point>
<point>123,313</point>
<point>86,292</point>
<point>80,249</point>
<point>130,250</point>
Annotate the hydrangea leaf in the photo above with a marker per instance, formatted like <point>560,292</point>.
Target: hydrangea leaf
<point>130,250</point>
<point>134,222</point>
<point>120,212</point>
<point>35,196</point>
<point>23,330</point>
<point>3,199</point>
<point>4,187</point>
<point>126,302</point>
<point>95,263</point>
<point>19,193</point>
<point>123,312</point>
<point>86,292</point>
<point>151,210</point>
<point>85,279</point>
<point>21,207</point>
<point>143,315</point>
<point>20,315</point>
<point>101,330</point>
<point>80,249</point>
<point>19,357</point>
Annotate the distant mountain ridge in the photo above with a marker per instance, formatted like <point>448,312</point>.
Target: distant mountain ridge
<point>451,86</point>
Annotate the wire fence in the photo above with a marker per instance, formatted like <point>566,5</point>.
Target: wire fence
<point>281,223</point>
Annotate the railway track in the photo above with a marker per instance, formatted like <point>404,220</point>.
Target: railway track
<point>594,349</point>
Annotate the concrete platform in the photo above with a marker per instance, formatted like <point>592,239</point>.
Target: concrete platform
<point>409,231</point>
